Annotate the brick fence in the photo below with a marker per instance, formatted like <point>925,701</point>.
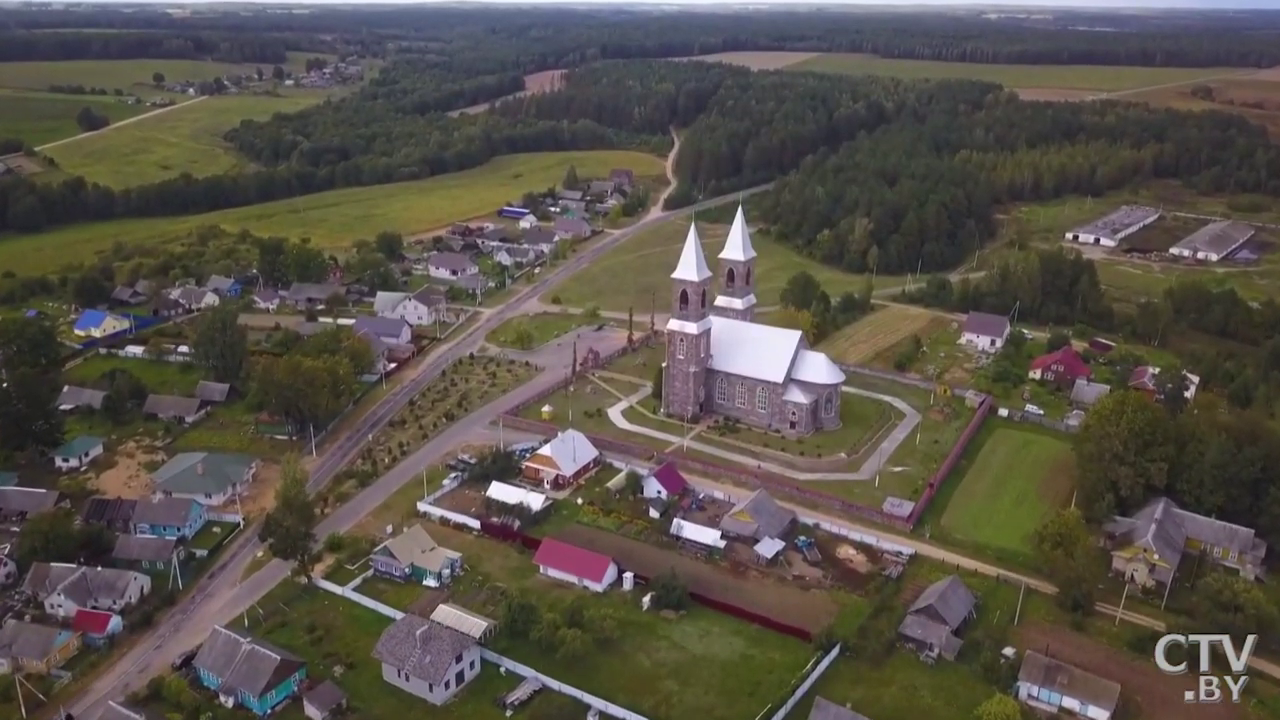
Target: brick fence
<point>949,463</point>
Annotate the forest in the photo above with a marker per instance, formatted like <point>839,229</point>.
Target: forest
<point>920,195</point>
<point>27,46</point>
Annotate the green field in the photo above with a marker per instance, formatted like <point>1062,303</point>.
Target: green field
<point>1017,477</point>
<point>40,118</point>
<point>903,688</point>
<point>636,274</point>
<point>1064,77</point>
<point>333,219</point>
<point>186,139</point>
<point>542,327</point>
<point>160,377</point>
<point>132,76</point>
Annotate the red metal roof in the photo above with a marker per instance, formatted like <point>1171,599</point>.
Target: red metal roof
<point>572,560</point>
<point>1067,357</point>
<point>91,622</point>
<point>669,477</point>
<point>1143,377</point>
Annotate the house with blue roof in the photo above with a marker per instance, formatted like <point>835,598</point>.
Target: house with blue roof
<point>248,672</point>
<point>99,323</point>
<point>169,517</point>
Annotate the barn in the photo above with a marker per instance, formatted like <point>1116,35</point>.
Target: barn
<point>575,565</point>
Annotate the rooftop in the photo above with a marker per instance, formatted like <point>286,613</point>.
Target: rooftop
<point>1068,680</point>
<point>692,266</point>
<point>77,447</point>
<point>986,324</point>
<point>1116,222</point>
<point>1217,238</point>
<point>200,472</point>
<point>572,560</point>
<point>422,648</point>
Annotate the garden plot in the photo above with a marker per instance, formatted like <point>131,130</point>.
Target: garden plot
<point>862,341</point>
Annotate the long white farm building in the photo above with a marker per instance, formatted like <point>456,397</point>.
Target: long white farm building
<point>1109,230</point>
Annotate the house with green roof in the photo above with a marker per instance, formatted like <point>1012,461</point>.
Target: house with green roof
<point>208,478</point>
<point>77,453</point>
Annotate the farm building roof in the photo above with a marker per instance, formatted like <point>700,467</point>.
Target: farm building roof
<point>758,516</point>
<point>1216,238</point>
<point>668,476</point>
<point>986,324</point>
<point>1116,222</point>
<point>74,397</point>
<point>171,406</point>
<point>948,600</point>
<point>212,391</point>
<point>769,547</point>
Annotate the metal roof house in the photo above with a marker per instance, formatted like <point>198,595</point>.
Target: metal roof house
<point>936,616</point>
<point>985,332</point>
<point>413,556</point>
<point>248,672</point>
<point>427,659</point>
<point>208,478</point>
<point>1109,230</point>
<point>1052,686</point>
<point>758,516</point>
<point>1147,548</point>
<point>824,709</point>
<point>77,453</point>
<point>575,565</point>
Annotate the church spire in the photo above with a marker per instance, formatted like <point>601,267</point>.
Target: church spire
<point>738,246</point>
<point>693,265</point>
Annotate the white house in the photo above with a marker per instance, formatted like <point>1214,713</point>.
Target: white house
<point>195,298</point>
<point>208,478</point>
<point>576,566</point>
<point>426,306</point>
<point>1046,684</point>
<point>393,331</point>
<point>64,588</point>
<point>528,221</point>
<point>427,659</point>
<point>451,266</point>
<point>1109,230</point>
<point>985,332</point>
<point>77,453</point>
<point>664,483</point>
<point>268,300</point>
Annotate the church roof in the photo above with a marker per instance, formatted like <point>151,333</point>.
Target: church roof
<point>797,394</point>
<point>815,367</point>
<point>738,246</point>
<point>693,265</point>
<point>760,352</point>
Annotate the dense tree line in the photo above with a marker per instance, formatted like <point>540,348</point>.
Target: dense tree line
<point>920,195</point>
<point>28,46</point>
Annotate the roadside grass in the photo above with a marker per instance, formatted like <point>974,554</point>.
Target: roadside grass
<point>334,219</point>
<point>182,140</point>
<point>1016,474</point>
<point>1066,77</point>
<point>132,76</point>
<point>635,274</point>
<point>39,118</point>
<point>211,534</point>
<point>643,362</point>
<point>542,329</point>
<point>164,378</point>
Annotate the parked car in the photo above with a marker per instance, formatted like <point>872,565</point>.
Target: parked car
<point>467,459</point>
<point>1033,410</point>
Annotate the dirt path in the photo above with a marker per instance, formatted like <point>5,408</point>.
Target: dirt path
<point>153,113</point>
<point>809,609</point>
<point>1135,91</point>
<point>656,208</point>
<point>1159,695</point>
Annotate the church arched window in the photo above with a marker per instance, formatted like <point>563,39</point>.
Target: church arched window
<point>684,300</point>
<point>762,399</point>
<point>722,391</point>
<point>741,399</point>
<point>680,346</point>
<point>730,278</point>
<point>829,404</point>
<point>704,298</point>
<point>748,282</point>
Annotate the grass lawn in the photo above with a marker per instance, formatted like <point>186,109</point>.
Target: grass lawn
<point>901,689</point>
<point>183,140</point>
<point>334,219</point>
<point>160,377</point>
<point>861,419</point>
<point>211,534</point>
<point>1067,77</point>
<point>1018,475</point>
<point>230,428</point>
<point>132,76</point>
<point>40,118</point>
<point>636,274</point>
<point>389,592</point>
<point>542,328</point>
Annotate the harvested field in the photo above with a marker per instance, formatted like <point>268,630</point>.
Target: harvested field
<point>811,610</point>
<point>539,82</point>
<point>1054,94</point>
<point>1141,683</point>
<point>756,60</point>
<point>858,343</point>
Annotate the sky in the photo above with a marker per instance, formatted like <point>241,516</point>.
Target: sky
<point>1079,4</point>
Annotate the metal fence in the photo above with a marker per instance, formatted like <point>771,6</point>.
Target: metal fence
<point>355,597</point>
<point>603,706</point>
<point>790,704</point>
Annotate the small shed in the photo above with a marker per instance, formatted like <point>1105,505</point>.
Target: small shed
<point>548,412</point>
<point>323,701</point>
<point>464,621</point>
<point>768,549</point>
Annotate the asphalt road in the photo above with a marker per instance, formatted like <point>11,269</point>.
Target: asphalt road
<point>219,597</point>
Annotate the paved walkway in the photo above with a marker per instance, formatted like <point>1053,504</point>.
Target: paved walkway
<point>870,467</point>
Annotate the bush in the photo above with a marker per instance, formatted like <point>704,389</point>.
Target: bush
<point>555,300</point>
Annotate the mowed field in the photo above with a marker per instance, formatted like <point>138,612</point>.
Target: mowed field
<point>1254,95</point>
<point>858,343</point>
<point>1016,479</point>
<point>637,273</point>
<point>185,139</point>
<point>1063,77</point>
<point>39,117</point>
<point>334,219</point>
<point>128,75</point>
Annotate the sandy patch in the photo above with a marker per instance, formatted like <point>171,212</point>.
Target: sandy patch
<point>128,478</point>
<point>261,496</point>
<point>850,556</point>
<point>756,60</point>
<point>1054,94</point>
<point>22,164</point>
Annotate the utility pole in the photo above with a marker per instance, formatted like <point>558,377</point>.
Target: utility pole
<point>1120,610</point>
<point>313,438</point>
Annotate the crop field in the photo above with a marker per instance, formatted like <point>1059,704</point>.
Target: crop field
<point>132,76</point>
<point>858,343</point>
<point>185,139</point>
<point>39,117</point>
<point>636,273</point>
<point>756,60</point>
<point>1019,476</point>
<point>333,219</point>
<point>1061,77</point>
<point>1256,96</point>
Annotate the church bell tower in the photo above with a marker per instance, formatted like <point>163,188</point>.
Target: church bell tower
<point>684,373</point>
<point>737,298</point>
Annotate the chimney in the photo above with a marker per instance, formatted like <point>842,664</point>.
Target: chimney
<point>200,468</point>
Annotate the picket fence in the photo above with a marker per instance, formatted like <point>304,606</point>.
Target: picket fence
<point>350,594</point>
<point>603,706</point>
<point>440,514</point>
<point>790,704</point>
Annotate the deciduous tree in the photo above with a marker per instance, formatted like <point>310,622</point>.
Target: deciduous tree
<point>1065,550</point>
<point>998,707</point>
<point>1123,453</point>
<point>801,291</point>
<point>221,343</point>
<point>288,529</point>
<point>30,366</point>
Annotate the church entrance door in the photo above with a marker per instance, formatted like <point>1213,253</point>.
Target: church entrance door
<point>794,420</point>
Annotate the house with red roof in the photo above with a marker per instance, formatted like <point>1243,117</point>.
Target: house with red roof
<point>575,565</point>
<point>665,483</point>
<point>96,626</point>
<point>1145,379</point>
<point>1062,367</point>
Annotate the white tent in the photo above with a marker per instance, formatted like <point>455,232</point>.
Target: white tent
<point>513,495</point>
<point>700,534</point>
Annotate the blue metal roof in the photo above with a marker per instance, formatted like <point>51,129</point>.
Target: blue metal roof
<point>90,319</point>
